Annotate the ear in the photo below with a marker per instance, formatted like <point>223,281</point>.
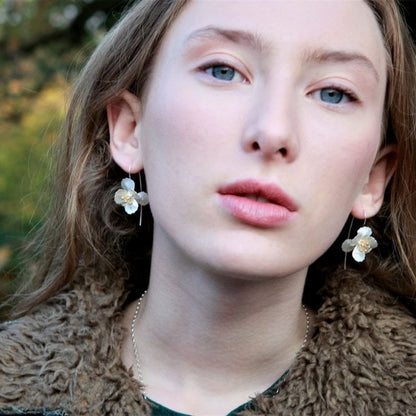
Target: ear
<point>369,202</point>
<point>123,115</point>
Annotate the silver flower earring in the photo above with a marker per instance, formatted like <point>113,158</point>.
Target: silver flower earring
<point>129,198</point>
<point>361,244</point>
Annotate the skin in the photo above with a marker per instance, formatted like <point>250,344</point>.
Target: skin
<point>260,102</point>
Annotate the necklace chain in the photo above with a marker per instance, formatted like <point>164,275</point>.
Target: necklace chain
<point>133,339</point>
<point>308,325</point>
<point>136,350</point>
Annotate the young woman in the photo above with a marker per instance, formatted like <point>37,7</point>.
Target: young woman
<point>256,131</point>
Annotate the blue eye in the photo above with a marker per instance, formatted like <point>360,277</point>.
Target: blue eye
<point>331,95</point>
<point>221,72</point>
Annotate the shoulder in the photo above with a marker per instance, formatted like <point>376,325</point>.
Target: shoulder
<point>361,359</point>
<point>66,355</point>
<point>33,413</point>
<point>49,334</point>
<point>37,355</point>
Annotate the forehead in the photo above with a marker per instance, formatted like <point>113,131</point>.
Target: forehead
<point>303,25</point>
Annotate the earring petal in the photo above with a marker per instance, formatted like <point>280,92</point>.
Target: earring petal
<point>128,198</point>
<point>128,184</point>
<point>142,198</point>
<point>360,245</point>
<point>131,207</point>
<point>357,255</point>
<point>119,197</point>
<point>347,246</point>
<point>364,232</point>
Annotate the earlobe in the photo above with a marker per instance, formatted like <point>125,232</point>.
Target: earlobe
<point>371,197</point>
<point>123,115</point>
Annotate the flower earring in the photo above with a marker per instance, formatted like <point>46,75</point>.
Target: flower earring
<point>361,244</point>
<point>129,198</point>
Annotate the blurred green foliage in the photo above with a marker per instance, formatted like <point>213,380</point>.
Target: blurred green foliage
<point>43,44</point>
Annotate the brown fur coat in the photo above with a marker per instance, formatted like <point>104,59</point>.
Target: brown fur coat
<point>360,361</point>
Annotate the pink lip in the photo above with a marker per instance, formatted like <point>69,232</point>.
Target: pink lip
<point>278,208</point>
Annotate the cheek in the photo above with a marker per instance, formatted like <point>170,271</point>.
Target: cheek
<point>177,145</point>
<point>184,129</point>
<point>340,169</point>
<point>360,156</point>
<point>348,147</point>
<point>167,132</point>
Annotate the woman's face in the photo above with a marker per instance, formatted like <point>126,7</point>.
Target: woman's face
<point>259,129</point>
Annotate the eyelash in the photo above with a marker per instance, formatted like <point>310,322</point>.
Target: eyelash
<point>346,92</point>
<point>214,64</point>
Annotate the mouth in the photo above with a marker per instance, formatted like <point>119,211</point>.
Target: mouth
<point>259,192</point>
<point>257,203</point>
<point>257,198</point>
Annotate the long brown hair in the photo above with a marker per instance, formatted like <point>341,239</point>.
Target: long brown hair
<point>399,211</point>
<point>85,230</point>
<point>393,265</point>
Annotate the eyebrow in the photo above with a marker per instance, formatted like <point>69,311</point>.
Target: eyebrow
<point>336,56</point>
<point>255,42</point>
<point>236,36</point>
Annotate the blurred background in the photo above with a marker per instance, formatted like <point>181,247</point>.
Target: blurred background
<point>43,44</point>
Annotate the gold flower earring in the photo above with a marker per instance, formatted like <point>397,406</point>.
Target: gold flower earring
<point>128,198</point>
<point>361,244</point>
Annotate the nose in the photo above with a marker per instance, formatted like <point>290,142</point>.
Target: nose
<point>271,127</point>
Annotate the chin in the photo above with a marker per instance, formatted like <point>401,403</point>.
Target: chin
<point>248,266</point>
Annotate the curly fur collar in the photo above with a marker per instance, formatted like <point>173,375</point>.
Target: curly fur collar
<point>361,359</point>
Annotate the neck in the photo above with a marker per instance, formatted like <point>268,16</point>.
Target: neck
<point>199,329</point>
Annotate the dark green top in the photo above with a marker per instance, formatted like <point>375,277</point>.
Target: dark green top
<point>159,410</point>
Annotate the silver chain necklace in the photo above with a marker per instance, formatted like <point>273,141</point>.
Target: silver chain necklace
<point>133,339</point>
<point>136,350</point>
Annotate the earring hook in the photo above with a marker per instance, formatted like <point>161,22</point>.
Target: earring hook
<point>141,206</point>
<point>349,234</point>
